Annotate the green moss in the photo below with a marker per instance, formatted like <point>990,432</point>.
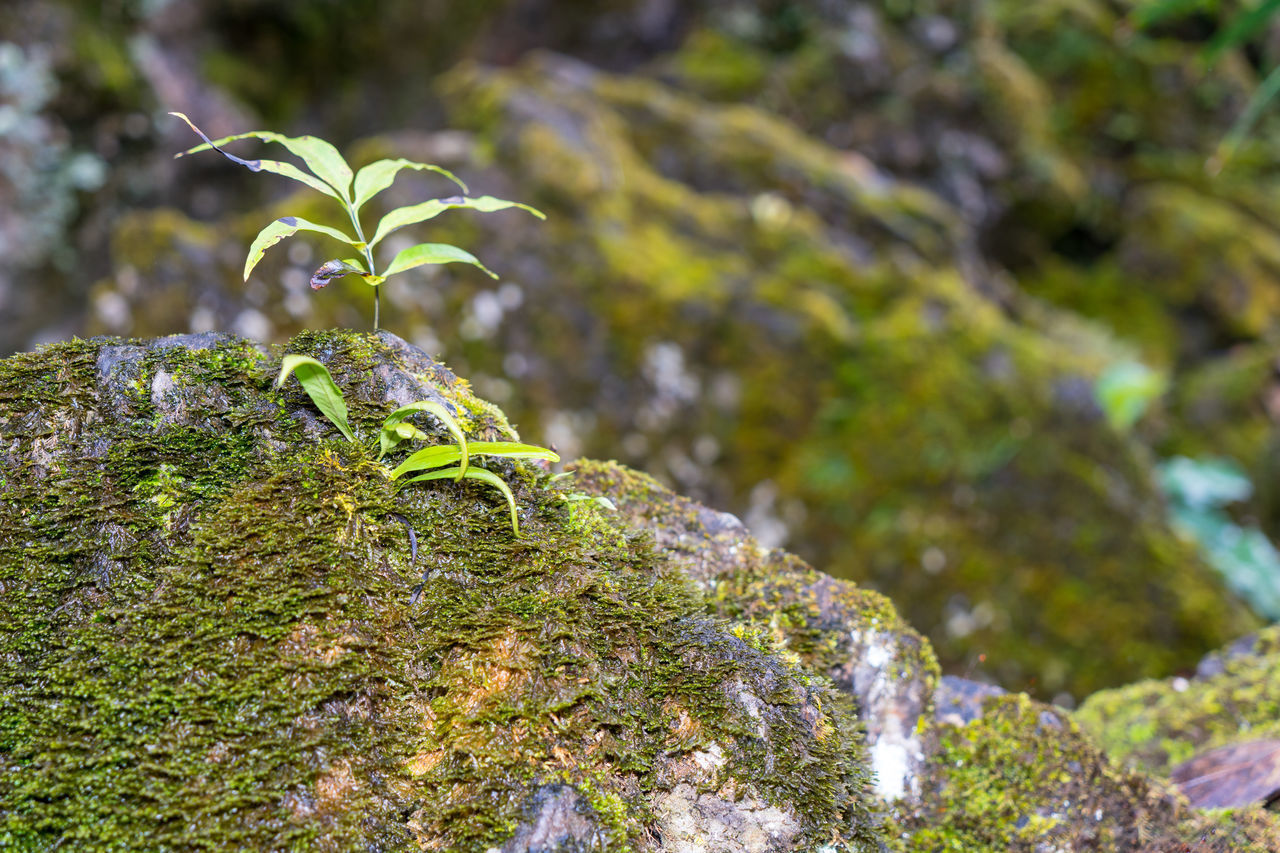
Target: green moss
<point>1155,725</point>
<point>254,673</point>
<point>1021,777</point>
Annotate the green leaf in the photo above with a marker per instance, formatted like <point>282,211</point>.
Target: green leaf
<point>389,441</point>
<point>379,175</point>
<point>428,457</point>
<point>403,216</point>
<point>1240,28</point>
<point>1266,91</point>
<point>1154,12</point>
<point>512,450</point>
<point>287,170</point>
<point>319,156</point>
<point>433,253</point>
<point>1125,390</point>
<point>320,387</point>
<point>286,226</point>
<point>478,474</point>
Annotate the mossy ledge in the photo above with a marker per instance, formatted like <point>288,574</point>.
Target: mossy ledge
<point>208,634</point>
<point>209,640</point>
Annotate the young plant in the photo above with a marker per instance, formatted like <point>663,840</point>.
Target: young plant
<point>330,174</point>
<point>324,392</point>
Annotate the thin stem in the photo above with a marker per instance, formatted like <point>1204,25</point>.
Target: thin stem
<point>368,259</point>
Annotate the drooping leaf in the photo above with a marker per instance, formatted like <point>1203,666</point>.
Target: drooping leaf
<point>320,387</point>
<point>489,477</point>
<point>389,440</point>
<point>433,253</point>
<point>380,174</point>
<point>319,156</point>
<point>286,226</point>
<point>287,170</point>
<point>403,216</point>
<point>335,269</point>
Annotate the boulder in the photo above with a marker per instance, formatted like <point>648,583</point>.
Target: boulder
<point>211,634</point>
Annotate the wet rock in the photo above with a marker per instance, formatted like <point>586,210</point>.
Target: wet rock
<point>1157,725</point>
<point>558,820</point>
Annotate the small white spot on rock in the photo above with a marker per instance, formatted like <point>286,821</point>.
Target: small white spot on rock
<point>890,763</point>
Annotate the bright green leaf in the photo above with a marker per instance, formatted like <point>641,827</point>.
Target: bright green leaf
<point>285,226</point>
<point>512,450</point>
<point>1125,390</point>
<point>478,474</point>
<point>430,407</point>
<point>1241,27</point>
<point>320,387</point>
<point>403,216</point>
<point>379,175</point>
<point>433,253</point>
<point>428,457</point>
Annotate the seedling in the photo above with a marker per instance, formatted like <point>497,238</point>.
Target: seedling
<point>453,459</point>
<point>330,174</point>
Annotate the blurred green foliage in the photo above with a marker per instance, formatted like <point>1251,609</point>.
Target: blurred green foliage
<point>1199,493</point>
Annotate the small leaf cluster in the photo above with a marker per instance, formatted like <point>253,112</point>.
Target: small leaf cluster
<point>450,461</point>
<point>329,174</point>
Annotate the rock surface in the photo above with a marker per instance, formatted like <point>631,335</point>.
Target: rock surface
<point>208,633</point>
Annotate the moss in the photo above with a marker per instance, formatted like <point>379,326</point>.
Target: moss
<point>255,674</point>
<point>1021,777</point>
<point>1155,725</point>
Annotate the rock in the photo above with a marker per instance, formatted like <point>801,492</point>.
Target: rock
<point>209,632</point>
<point>1234,698</point>
<point>1231,777</point>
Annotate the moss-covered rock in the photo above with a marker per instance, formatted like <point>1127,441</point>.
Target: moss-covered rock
<point>209,633</point>
<point>1155,725</point>
<point>1020,776</point>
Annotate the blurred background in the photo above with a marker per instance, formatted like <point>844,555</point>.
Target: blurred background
<point>971,301</point>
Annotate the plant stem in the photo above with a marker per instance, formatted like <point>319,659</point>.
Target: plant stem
<point>368,259</point>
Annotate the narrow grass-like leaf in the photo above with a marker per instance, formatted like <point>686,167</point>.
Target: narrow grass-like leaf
<point>433,253</point>
<point>489,477</point>
<point>286,226</point>
<point>380,174</point>
<point>434,456</point>
<point>1157,11</point>
<point>512,450</point>
<point>287,170</point>
<point>598,500</point>
<point>1263,95</point>
<point>1240,28</point>
<point>320,387</point>
<point>430,407</point>
<point>403,216</point>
